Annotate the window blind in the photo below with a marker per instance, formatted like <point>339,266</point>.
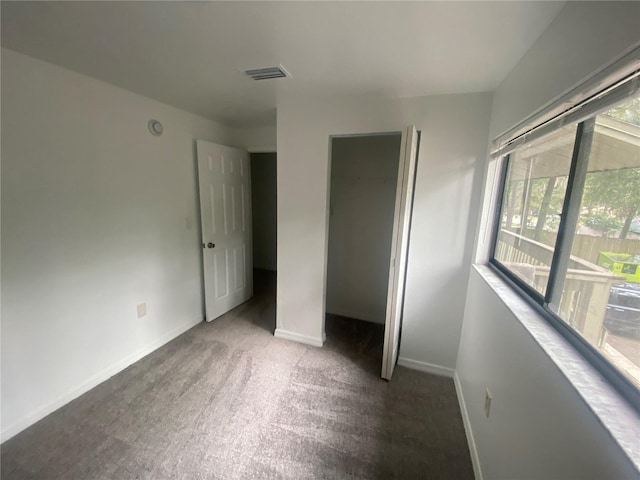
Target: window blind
<point>616,82</point>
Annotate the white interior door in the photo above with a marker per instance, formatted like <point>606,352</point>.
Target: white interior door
<point>225,213</point>
<point>399,247</point>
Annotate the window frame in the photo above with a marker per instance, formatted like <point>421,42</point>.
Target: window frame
<point>562,251</point>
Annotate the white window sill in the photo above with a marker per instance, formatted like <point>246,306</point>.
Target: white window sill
<point>608,405</point>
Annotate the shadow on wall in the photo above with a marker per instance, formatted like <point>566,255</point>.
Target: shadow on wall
<point>437,276</point>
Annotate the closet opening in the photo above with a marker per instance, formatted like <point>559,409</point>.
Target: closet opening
<point>362,200</point>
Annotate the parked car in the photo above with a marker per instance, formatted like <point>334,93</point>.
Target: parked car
<point>623,310</point>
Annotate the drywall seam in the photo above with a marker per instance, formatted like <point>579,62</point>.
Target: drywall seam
<point>475,459</point>
<point>426,367</point>
<point>296,337</point>
<point>41,412</point>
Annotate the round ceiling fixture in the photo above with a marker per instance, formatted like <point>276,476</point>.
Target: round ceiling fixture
<point>155,127</point>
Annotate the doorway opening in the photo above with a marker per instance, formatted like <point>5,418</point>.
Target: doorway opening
<point>363,188</point>
<point>264,226</point>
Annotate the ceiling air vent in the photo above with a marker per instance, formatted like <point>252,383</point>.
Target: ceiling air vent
<point>269,72</point>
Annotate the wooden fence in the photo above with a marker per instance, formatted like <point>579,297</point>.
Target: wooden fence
<point>585,292</point>
<point>589,247</point>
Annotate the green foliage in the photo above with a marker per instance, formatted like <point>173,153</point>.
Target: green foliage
<point>611,198</point>
<point>627,112</point>
<point>538,187</point>
<point>602,221</point>
<point>615,190</point>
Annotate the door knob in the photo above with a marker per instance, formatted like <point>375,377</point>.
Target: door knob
<point>211,245</point>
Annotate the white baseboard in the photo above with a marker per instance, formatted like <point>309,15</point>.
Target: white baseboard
<point>44,410</point>
<point>451,373</point>
<point>296,337</point>
<point>426,367</point>
<point>475,459</point>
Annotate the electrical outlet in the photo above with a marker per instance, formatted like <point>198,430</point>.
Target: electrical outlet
<point>142,310</point>
<point>487,402</point>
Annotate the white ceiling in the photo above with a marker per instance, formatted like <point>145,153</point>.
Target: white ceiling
<point>192,54</point>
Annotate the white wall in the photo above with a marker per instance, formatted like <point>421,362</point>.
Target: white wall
<point>256,139</point>
<point>454,141</point>
<point>364,173</point>
<point>539,427</point>
<point>264,186</point>
<point>582,38</point>
<point>97,216</point>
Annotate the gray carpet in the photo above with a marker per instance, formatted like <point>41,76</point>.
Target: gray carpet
<point>228,400</point>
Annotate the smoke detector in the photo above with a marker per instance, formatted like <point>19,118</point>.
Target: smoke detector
<point>267,73</point>
<point>155,127</point>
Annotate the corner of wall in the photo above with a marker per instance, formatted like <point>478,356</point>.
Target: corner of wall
<point>296,337</point>
<point>256,139</point>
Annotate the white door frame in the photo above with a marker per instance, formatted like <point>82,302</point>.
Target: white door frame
<point>407,164</point>
<point>327,214</point>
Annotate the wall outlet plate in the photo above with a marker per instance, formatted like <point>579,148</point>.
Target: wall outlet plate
<point>142,310</point>
<point>487,402</point>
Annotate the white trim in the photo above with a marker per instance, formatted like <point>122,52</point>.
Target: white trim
<point>451,373</point>
<point>296,337</point>
<point>426,367</point>
<point>44,410</point>
<point>475,458</point>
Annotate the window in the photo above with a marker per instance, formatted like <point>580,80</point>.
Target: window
<point>533,197</point>
<point>568,232</point>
